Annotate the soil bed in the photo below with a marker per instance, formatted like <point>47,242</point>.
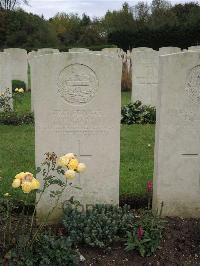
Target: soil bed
<point>180,246</point>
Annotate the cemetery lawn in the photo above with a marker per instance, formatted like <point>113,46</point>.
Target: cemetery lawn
<point>17,152</point>
<point>126,98</point>
<point>22,102</point>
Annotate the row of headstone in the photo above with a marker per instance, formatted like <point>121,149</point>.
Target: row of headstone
<point>145,73</point>
<point>78,109</point>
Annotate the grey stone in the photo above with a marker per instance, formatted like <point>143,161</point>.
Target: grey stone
<point>177,150</point>
<point>19,64</point>
<point>77,109</point>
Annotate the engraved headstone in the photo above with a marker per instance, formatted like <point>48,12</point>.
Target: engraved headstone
<point>145,77</point>
<point>177,151</point>
<point>19,64</point>
<point>78,110</point>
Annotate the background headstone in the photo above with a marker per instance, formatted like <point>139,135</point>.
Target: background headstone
<point>169,50</point>
<point>43,51</point>
<point>79,50</point>
<point>145,77</point>
<point>141,49</point>
<point>194,48</point>
<point>177,151</point>
<point>5,73</point>
<point>19,64</point>
<point>78,110</point>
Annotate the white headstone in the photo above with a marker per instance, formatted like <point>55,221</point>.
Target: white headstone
<point>5,74</point>
<point>19,64</point>
<point>145,77</point>
<point>169,50</point>
<point>78,110</point>
<point>141,49</point>
<point>43,51</point>
<point>31,54</point>
<point>177,151</point>
<point>79,50</point>
<point>194,48</point>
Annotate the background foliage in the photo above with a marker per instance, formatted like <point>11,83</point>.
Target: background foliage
<point>154,25</point>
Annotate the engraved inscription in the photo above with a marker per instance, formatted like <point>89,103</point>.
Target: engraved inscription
<point>193,84</point>
<point>77,84</point>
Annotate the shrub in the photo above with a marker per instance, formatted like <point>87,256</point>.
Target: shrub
<point>5,101</point>
<point>14,118</point>
<point>99,225</point>
<point>146,234</point>
<point>21,242</point>
<point>18,84</point>
<point>136,113</point>
<point>47,250</point>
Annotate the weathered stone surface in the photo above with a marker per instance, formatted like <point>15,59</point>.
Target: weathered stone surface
<point>194,48</point>
<point>169,50</point>
<point>177,151</point>
<point>78,110</point>
<point>43,51</point>
<point>5,74</point>
<point>145,77</point>
<point>19,64</point>
<point>142,49</point>
<point>79,50</point>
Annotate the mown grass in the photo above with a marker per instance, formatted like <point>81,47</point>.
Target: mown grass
<point>17,152</point>
<point>126,98</point>
<point>22,102</point>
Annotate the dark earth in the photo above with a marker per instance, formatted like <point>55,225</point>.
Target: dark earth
<point>180,246</point>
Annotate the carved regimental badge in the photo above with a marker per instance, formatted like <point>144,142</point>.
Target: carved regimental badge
<point>193,84</point>
<point>77,84</point>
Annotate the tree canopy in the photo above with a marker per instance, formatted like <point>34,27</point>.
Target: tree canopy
<point>154,25</point>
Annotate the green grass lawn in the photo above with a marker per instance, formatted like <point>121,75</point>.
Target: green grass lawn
<point>22,102</point>
<point>17,153</point>
<point>126,97</point>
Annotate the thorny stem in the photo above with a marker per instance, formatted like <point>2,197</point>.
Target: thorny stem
<point>49,213</point>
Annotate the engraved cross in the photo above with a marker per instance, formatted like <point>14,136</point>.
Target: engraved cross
<point>80,154</point>
<point>192,156</point>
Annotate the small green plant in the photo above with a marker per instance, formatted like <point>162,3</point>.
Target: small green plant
<point>21,235</point>
<point>98,225</point>
<point>48,249</point>
<point>16,119</point>
<point>5,101</point>
<point>18,84</point>
<point>146,234</point>
<point>136,113</point>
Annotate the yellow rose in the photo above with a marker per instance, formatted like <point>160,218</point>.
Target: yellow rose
<point>20,175</point>
<point>26,186</point>
<point>6,194</point>
<point>69,156</point>
<point>16,183</point>
<point>28,176</point>
<point>16,89</point>
<point>21,90</point>
<point>35,184</point>
<point>63,161</point>
<point>70,174</point>
<point>73,164</point>
<point>81,167</point>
